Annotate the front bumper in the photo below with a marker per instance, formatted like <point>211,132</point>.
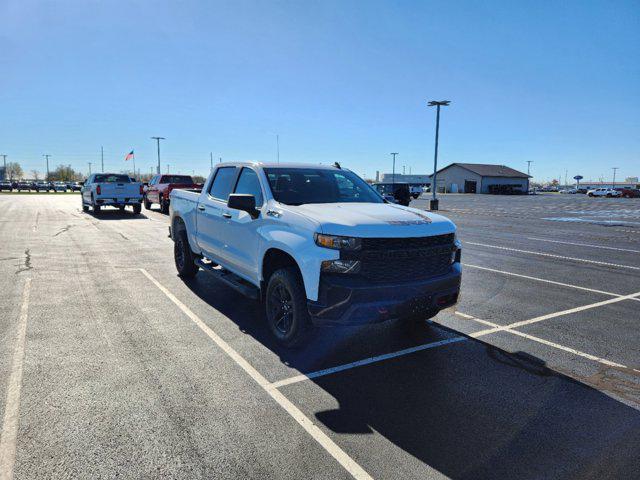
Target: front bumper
<point>348,301</point>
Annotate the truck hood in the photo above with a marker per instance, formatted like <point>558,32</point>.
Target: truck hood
<point>368,220</point>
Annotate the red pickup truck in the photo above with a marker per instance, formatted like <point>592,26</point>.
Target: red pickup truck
<point>160,187</point>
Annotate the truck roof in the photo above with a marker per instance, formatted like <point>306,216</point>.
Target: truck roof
<point>279,165</point>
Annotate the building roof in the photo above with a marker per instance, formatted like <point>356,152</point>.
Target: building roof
<point>488,170</point>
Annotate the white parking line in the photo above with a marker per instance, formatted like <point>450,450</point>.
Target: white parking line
<point>12,404</point>
<point>544,280</point>
<point>318,435</point>
<point>584,260</point>
<point>585,245</point>
<point>366,361</point>
<point>569,311</point>
<point>604,361</point>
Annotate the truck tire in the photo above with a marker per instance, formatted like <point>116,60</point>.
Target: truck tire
<point>137,208</point>
<point>85,208</point>
<point>147,203</point>
<point>286,307</point>
<point>183,256</point>
<point>164,206</point>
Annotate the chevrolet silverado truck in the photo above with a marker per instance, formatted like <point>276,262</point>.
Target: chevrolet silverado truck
<point>316,245</point>
<point>111,189</point>
<point>160,187</point>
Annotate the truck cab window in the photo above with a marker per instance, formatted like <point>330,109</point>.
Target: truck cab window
<point>248,183</point>
<point>223,183</point>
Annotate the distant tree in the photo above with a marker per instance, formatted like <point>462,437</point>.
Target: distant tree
<point>14,170</point>
<point>198,179</point>
<point>64,173</point>
<point>35,174</point>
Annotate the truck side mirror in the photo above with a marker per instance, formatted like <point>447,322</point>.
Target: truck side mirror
<point>245,202</point>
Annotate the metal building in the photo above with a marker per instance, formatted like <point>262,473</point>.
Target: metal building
<point>481,178</point>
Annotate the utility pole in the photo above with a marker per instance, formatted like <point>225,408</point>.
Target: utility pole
<point>529,162</point>
<point>445,103</point>
<point>157,139</point>
<point>220,160</point>
<point>565,176</point>
<point>393,172</point>
<point>102,158</point>
<point>47,157</point>
<point>211,158</point>
<point>615,169</point>
<point>167,168</point>
<point>278,147</point>
<point>89,167</point>
<point>403,169</point>
<point>4,177</point>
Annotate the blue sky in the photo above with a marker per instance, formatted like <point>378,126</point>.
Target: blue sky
<point>552,82</point>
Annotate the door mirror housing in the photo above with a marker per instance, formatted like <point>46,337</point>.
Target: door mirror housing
<point>245,202</point>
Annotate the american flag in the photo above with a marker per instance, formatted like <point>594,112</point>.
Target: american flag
<point>129,156</point>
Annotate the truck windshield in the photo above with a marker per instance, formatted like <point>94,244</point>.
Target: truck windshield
<point>298,186</point>
<point>113,178</point>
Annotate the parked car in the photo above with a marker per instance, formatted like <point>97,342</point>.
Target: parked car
<point>316,245</point>
<point>111,189</point>
<point>629,192</point>
<point>416,191</point>
<point>6,185</point>
<point>160,187</point>
<point>59,186</point>
<point>74,186</point>
<point>399,192</point>
<point>42,186</point>
<point>21,186</point>
<point>571,191</point>
<point>603,192</point>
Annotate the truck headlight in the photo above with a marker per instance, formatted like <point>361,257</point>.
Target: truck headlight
<point>341,266</point>
<point>336,242</point>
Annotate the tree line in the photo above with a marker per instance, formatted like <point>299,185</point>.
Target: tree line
<point>62,173</point>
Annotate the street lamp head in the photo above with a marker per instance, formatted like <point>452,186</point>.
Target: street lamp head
<point>394,153</point>
<point>442,103</point>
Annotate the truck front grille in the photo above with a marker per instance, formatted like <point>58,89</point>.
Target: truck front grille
<point>403,259</point>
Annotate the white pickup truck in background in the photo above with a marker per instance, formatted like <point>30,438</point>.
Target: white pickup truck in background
<point>317,245</point>
<point>111,189</point>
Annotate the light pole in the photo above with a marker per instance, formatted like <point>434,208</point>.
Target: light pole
<point>393,172</point>
<point>102,158</point>
<point>529,162</point>
<point>278,147</point>
<point>615,169</point>
<point>4,176</point>
<point>157,139</point>
<point>47,157</point>
<point>211,159</point>
<point>89,168</point>
<point>444,103</point>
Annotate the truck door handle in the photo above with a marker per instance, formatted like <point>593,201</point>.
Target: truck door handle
<point>226,215</point>
<point>201,208</point>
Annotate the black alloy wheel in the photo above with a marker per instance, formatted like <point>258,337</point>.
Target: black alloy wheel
<point>286,307</point>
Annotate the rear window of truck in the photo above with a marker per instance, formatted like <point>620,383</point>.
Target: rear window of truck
<point>112,179</point>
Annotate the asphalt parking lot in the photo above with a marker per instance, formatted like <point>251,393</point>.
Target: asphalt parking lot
<point>112,366</point>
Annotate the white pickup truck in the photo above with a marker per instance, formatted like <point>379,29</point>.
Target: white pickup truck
<point>111,189</point>
<point>317,245</point>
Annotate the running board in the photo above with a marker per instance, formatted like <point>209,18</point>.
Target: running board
<point>231,279</point>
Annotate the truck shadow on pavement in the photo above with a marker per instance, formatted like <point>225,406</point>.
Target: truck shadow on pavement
<point>113,214</point>
<point>468,410</point>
